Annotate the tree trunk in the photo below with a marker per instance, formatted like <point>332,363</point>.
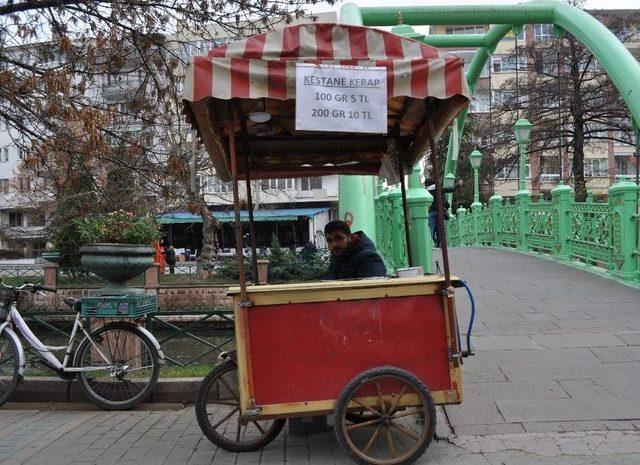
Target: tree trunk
<point>577,113</point>
<point>209,236</point>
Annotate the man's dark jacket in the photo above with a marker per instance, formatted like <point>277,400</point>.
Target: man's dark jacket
<point>360,260</point>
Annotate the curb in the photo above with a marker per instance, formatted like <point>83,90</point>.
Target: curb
<point>51,389</point>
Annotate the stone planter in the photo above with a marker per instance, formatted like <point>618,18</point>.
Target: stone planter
<point>117,263</point>
<point>51,257</point>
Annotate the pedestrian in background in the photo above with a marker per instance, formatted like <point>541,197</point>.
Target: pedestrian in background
<point>170,257</point>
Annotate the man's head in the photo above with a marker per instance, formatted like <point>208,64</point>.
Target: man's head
<point>338,236</point>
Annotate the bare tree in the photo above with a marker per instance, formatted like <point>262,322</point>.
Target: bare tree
<point>91,93</point>
<point>569,99</point>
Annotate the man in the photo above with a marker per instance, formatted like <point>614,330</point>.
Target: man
<point>430,185</point>
<point>352,255</point>
<point>170,258</point>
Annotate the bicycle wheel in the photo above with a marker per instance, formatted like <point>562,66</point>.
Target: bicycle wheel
<point>9,366</point>
<point>218,413</point>
<point>122,366</point>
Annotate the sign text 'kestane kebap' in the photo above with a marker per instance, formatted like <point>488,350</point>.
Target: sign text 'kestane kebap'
<point>341,98</point>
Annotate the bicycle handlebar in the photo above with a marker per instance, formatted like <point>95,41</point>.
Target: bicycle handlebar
<point>32,287</point>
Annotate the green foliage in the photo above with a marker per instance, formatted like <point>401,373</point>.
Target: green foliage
<point>118,227</point>
<point>284,266</point>
<point>67,241</point>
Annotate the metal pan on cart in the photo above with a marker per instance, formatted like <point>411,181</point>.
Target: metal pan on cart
<point>378,354</point>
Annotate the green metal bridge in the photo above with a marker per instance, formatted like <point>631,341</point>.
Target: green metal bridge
<point>603,235</point>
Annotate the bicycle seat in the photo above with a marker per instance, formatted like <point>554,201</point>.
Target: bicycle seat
<point>70,301</point>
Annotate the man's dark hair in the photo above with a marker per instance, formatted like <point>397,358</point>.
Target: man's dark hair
<point>337,225</point>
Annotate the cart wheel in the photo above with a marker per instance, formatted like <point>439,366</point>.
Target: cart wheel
<point>401,417</point>
<point>218,413</point>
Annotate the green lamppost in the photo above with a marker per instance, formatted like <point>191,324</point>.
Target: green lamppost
<point>522,130</point>
<point>475,159</point>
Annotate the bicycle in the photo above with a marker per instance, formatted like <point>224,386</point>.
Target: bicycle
<point>117,364</point>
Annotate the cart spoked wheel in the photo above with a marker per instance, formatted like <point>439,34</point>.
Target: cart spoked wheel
<point>218,413</point>
<point>400,417</point>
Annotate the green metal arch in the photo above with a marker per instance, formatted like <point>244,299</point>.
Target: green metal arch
<point>617,61</point>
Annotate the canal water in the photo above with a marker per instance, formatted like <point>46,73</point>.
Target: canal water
<point>179,347</point>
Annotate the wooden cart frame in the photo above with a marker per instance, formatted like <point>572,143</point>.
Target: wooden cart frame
<point>428,89</point>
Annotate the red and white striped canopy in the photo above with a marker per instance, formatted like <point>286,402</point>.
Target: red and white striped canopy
<point>263,66</point>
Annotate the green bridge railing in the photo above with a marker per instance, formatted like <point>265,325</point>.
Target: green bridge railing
<point>600,235</point>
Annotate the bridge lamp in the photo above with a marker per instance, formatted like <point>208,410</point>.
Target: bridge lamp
<point>522,130</point>
<point>475,159</point>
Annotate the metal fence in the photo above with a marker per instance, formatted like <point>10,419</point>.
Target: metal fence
<point>597,234</point>
<point>187,339</point>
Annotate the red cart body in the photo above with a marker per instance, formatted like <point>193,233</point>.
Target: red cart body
<point>300,344</point>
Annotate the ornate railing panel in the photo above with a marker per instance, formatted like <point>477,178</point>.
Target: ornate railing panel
<point>508,234</point>
<point>591,233</point>
<point>543,227</point>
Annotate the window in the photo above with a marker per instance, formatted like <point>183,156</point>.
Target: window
<point>4,155</point>
<point>36,219</point>
<point>467,56</point>
<point>549,168</point>
<point>510,173</point>
<point>24,183</point>
<point>480,103</point>
<point>624,165</point>
<point>213,184</point>
<point>465,30</point>
<point>543,32</point>
<point>281,184</point>
<point>15,219</point>
<point>307,184</point>
<point>4,186</point>
<point>508,63</point>
<point>596,167</point>
<point>506,98</point>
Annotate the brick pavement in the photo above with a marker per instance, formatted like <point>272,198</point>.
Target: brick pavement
<point>555,381</point>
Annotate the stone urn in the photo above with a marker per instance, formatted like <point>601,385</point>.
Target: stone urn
<point>51,257</point>
<point>117,263</point>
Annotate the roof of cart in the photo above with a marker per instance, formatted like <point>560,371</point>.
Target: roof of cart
<point>259,74</point>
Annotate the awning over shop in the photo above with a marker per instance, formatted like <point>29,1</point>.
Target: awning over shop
<point>283,214</point>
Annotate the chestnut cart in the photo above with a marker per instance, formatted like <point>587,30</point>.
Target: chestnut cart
<point>377,354</point>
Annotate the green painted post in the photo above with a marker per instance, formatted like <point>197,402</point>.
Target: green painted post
<point>461,214</point>
<point>523,201</point>
<point>356,193</point>
<point>562,197</point>
<point>398,240</point>
<point>623,200</point>
<point>386,226</point>
<point>419,200</point>
<point>495,204</point>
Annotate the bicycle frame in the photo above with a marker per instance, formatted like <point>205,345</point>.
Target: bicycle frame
<point>45,351</point>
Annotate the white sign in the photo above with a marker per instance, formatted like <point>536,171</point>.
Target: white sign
<point>341,98</point>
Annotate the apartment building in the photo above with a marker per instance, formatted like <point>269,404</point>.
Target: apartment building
<point>605,161</point>
<point>293,209</point>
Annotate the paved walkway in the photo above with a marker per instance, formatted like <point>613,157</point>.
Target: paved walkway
<point>555,381</point>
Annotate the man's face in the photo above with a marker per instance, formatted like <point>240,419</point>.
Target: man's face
<point>338,242</point>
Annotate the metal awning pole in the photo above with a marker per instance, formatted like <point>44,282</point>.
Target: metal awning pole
<point>236,204</point>
<point>439,199</point>
<point>252,228</point>
<point>405,209</point>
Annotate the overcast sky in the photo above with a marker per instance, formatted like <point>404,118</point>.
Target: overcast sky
<point>605,4</point>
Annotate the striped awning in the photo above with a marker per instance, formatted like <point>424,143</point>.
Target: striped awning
<point>264,66</point>
<point>259,73</point>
